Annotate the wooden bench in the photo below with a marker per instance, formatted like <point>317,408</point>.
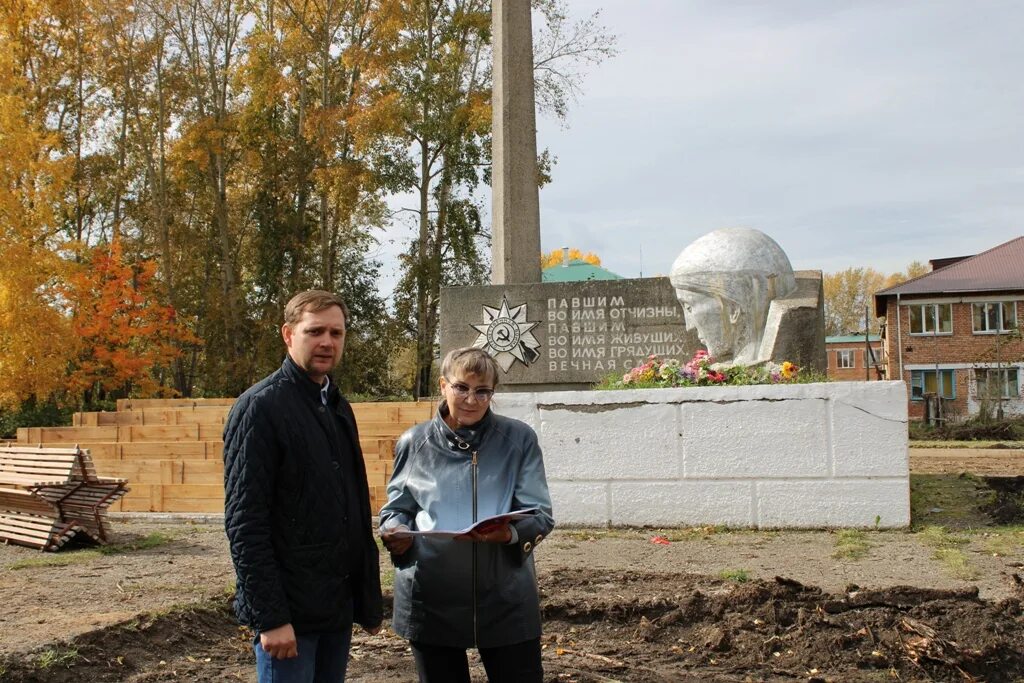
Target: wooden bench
<point>50,495</point>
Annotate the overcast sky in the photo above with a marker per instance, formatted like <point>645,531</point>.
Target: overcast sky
<point>855,133</point>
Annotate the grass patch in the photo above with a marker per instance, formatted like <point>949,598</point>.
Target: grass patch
<point>948,551</point>
<point>851,544</point>
<point>153,540</point>
<point>956,563</point>
<point>953,501</point>
<point>64,559</point>
<point>734,575</point>
<point>71,557</point>
<point>939,537</point>
<point>57,657</point>
<point>1003,542</point>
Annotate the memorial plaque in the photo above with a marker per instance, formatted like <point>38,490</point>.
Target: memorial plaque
<point>567,335</point>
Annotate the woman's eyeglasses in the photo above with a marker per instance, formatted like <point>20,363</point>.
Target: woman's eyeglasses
<point>481,394</point>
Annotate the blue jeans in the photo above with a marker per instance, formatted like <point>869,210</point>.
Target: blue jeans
<point>323,658</point>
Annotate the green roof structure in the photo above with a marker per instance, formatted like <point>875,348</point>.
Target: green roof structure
<point>847,338</point>
<point>577,271</point>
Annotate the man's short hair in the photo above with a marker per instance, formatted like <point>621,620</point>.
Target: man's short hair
<point>470,361</point>
<point>314,301</point>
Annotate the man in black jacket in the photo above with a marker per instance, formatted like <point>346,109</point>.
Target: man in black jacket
<point>297,508</point>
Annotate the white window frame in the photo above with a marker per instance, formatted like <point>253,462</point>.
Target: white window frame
<point>844,356</point>
<point>1000,308</point>
<point>1010,382</point>
<point>929,311</point>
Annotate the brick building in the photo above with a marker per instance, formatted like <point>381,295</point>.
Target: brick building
<point>848,358</point>
<point>956,331</point>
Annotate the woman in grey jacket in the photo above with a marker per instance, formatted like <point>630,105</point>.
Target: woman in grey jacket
<point>480,588</point>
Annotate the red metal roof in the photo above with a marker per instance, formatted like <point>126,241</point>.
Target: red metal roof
<point>999,268</point>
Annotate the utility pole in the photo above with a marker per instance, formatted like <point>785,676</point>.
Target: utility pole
<point>867,346</point>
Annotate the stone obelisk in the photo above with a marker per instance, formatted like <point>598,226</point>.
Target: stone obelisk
<point>515,207</point>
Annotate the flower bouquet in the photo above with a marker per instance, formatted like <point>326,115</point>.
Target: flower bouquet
<point>701,371</point>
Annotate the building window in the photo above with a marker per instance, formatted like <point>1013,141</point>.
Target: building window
<point>993,317</point>
<point>931,319</point>
<point>844,358</point>
<point>997,383</point>
<point>923,382</point>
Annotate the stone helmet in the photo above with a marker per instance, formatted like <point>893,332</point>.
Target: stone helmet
<point>744,269</point>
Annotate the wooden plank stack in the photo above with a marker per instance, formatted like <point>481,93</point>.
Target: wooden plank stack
<point>171,450</point>
<point>50,495</point>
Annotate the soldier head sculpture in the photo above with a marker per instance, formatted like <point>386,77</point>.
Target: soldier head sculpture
<point>726,281</point>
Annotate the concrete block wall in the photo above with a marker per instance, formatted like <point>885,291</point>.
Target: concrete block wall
<point>771,456</point>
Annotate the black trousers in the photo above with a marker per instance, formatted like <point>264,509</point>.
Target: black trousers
<point>517,663</point>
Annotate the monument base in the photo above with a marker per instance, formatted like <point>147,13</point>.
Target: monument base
<point>765,456</point>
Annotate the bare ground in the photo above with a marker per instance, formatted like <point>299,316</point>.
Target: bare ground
<point>710,605</point>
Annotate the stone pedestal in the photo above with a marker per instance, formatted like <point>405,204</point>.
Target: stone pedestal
<point>769,456</point>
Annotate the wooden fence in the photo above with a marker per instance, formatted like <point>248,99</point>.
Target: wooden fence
<point>171,450</point>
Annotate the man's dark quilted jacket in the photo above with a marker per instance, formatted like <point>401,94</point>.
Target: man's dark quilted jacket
<point>299,533</point>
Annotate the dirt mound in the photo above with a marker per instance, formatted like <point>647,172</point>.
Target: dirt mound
<point>624,626</point>
<point>195,644</point>
<point>640,627</point>
<point>1007,506</point>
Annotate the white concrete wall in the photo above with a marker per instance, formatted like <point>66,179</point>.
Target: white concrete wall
<point>767,456</point>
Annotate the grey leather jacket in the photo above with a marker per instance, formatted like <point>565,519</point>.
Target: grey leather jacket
<point>457,593</point>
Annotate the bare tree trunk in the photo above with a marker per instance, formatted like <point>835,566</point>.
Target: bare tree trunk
<point>424,344</point>
<point>432,274</point>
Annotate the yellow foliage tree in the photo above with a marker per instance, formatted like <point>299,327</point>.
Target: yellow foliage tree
<point>914,269</point>
<point>848,292</point>
<point>34,339</point>
<point>554,257</point>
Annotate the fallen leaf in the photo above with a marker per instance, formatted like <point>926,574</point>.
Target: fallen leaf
<point>660,540</point>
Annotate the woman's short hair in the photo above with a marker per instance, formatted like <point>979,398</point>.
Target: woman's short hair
<point>314,301</point>
<point>470,361</point>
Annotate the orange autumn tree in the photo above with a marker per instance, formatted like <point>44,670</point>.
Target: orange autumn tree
<point>126,338</point>
<point>554,258</point>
